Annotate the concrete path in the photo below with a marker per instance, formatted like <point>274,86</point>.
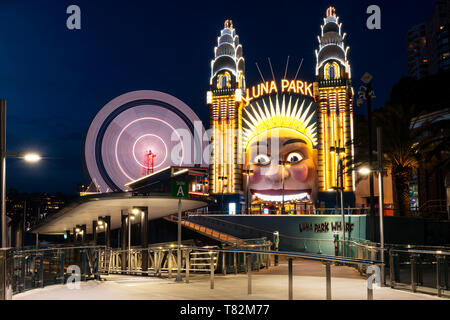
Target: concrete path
<point>272,284</point>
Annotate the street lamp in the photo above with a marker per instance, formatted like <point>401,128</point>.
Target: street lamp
<point>366,93</point>
<point>284,164</point>
<point>3,155</point>
<point>380,171</point>
<point>130,217</point>
<point>248,173</point>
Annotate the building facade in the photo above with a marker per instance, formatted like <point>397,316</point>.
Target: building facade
<point>225,103</point>
<point>428,43</point>
<point>309,161</point>
<point>334,93</point>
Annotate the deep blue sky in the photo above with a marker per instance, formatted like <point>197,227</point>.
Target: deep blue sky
<point>56,80</point>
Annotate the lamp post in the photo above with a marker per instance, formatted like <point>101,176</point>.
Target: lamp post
<point>29,157</point>
<point>223,187</point>
<point>380,171</point>
<point>368,94</point>
<point>130,217</point>
<point>284,165</point>
<point>248,173</point>
<point>340,186</point>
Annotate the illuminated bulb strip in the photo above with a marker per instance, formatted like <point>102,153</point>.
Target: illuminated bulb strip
<point>293,197</point>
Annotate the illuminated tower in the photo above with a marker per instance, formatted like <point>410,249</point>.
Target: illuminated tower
<point>224,99</point>
<point>334,94</point>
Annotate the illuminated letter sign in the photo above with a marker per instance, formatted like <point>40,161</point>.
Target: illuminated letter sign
<point>287,86</point>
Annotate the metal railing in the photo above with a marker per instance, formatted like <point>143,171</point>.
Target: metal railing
<point>161,260</point>
<point>41,267</point>
<point>38,268</point>
<point>289,242</point>
<point>326,260</point>
<point>421,270</point>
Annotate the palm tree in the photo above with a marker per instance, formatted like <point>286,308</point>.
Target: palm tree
<point>409,140</point>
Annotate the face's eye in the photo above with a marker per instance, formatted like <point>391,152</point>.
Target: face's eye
<point>262,160</point>
<point>294,157</point>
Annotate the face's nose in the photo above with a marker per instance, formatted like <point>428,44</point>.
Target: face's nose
<point>274,175</point>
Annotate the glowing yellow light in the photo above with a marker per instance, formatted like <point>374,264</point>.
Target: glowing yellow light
<point>32,157</point>
<point>365,171</point>
<point>280,115</point>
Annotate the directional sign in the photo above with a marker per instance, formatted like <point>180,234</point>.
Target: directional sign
<point>179,188</point>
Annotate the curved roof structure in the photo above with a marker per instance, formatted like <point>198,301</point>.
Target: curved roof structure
<point>89,208</point>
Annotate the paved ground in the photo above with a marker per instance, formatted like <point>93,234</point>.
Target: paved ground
<point>272,284</point>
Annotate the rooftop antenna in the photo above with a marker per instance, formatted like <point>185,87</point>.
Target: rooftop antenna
<point>298,70</point>
<point>271,69</point>
<point>259,70</point>
<point>287,65</point>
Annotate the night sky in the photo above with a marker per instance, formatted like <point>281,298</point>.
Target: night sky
<point>56,80</point>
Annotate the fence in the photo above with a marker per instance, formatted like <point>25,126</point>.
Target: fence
<point>41,267</point>
<point>163,259</point>
<point>420,270</point>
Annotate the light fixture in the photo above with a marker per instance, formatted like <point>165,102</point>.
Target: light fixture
<point>135,211</point>
<point>365,171</point>
<point>32,157</point>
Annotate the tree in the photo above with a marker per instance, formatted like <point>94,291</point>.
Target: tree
<point>413,135</point>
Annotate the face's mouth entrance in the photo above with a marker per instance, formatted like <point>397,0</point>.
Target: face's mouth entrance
<point>277,195</point>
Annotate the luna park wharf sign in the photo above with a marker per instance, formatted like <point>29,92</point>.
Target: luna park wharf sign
<point>325,227</point>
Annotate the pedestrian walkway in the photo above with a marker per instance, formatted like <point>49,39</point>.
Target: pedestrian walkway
<point>272,284</point>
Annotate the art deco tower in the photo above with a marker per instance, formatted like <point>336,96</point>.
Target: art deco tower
<point>224,99</point>
<point>334,94</point>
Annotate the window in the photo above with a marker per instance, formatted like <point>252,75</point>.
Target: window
<point>332,72</point>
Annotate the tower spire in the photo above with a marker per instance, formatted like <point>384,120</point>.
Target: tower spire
<point>335,97</point>
<point>225,102</point>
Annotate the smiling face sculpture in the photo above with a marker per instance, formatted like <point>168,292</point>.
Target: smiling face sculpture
<point>279,141</point>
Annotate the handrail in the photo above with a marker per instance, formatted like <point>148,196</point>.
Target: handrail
<point>297,255</point>
<point>264,231</point>
<point>437,252</point>
<point>59,248</point>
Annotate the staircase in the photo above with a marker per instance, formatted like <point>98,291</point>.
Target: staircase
<point>200,261</point>
<point>208,232</point>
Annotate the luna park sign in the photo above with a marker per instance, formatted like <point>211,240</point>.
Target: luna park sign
<point>325,227</point>
<point>285,86</point>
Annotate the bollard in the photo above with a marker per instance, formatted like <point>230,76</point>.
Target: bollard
<point>41,270</point>
<point>446,273</point>
<point>290,280</point>
<point>21,282</point>
<point>413,272</point>
<point>234,263</point>
<point>211,270</point>
<point>6,274</point>
<point>328,276</point>
<point>249,273</point>
<point>61,266</point>
<point>438,276</point>
<point>224,266</point>
<point>188,253</point>
<point>83,265</point>
<point>169,263</point>
<point>369,294</point>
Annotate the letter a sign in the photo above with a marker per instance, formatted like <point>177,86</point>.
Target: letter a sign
<point>180,189</point>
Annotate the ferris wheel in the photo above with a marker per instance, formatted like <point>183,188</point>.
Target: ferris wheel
<point>140,133</point>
